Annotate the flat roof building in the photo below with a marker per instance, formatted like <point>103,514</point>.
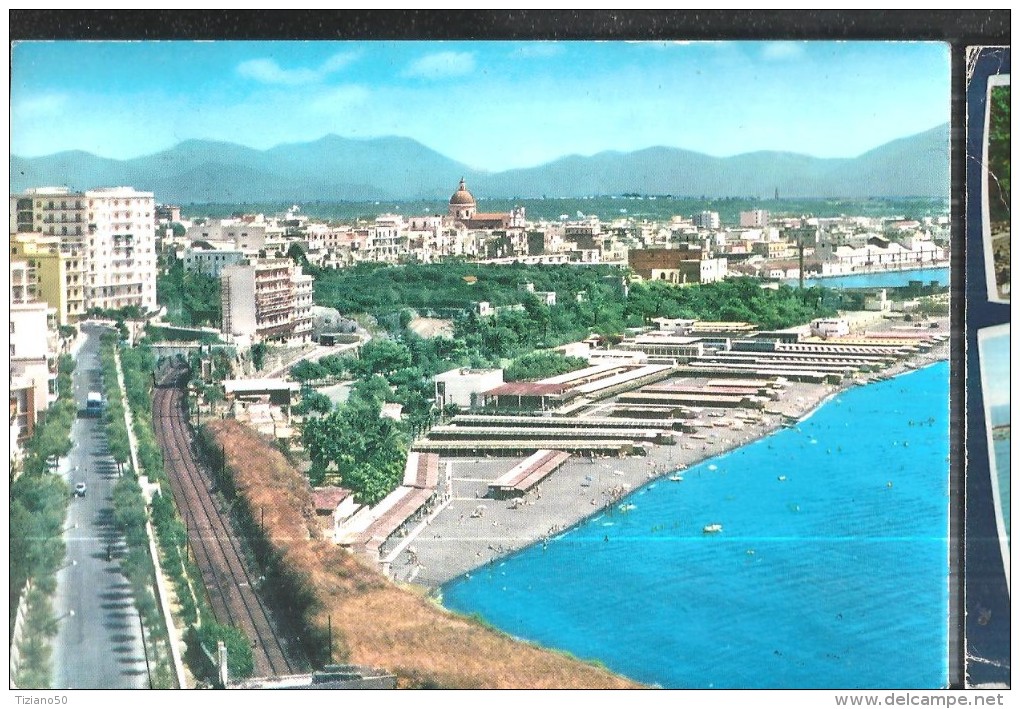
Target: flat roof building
<point>464,387</point>
<point>114,228</point>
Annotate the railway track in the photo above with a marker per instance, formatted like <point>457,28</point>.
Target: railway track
<point>218,555</point>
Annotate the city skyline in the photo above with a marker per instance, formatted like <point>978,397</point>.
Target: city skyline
<point>490,105</point>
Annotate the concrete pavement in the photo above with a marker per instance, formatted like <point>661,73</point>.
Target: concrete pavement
<point>99,641</point>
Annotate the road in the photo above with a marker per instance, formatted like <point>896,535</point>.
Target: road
<point>99,642</point>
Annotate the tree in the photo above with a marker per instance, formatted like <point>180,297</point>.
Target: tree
<point>258,355</point>
<point>538,365</point>
<point>382,356</point>
<point>240,661</point>
<point>190,298</point>
<point>306,371</point>
<point>296,254</point>
<point>374,388</point>
<point>335,365</point>
<point>368,450</point>
<point>313,401</point>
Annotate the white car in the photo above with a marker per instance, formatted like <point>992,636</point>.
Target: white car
<point>80,489</point>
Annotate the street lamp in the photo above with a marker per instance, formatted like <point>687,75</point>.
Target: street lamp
<point>145,650</point>
<point>53,623</point>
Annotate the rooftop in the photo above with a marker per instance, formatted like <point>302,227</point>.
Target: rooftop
<point>527,389</point>
<point>326,499</point>
<point>232,386</point>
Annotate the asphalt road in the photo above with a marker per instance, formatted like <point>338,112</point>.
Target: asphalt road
<point>99,642</point>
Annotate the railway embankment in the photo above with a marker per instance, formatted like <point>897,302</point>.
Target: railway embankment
<point>235,608</point>
<point>348,611</point>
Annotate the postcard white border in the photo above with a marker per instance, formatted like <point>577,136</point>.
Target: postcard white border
<point>985,334</point>
<point>986,225</point>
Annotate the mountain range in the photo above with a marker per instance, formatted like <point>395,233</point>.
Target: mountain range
<point>392,168</point>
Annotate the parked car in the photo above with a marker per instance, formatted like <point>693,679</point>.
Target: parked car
<point>80,489</point>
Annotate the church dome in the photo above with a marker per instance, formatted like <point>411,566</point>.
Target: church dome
<point>462,196</point>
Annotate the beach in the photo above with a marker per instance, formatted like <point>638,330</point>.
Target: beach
<point>471,530</point>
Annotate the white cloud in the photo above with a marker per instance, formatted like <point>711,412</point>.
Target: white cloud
<point>779,51</point>
<point>442,64</point>
<point>267,71</point>
<point>40,105</point>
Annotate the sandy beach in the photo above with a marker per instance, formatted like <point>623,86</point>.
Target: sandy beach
<point>472,530</point>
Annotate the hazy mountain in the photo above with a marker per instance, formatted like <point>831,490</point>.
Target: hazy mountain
<point>335,168</point>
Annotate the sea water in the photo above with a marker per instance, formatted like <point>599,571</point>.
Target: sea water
<point>884,279</point>
<point>830,569</point>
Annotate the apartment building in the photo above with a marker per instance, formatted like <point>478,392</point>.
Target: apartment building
<point>252,236</point>
<point>53,272</point>
<point>31,377</point>
<point>113,229</point>
<point>266,299</point>
<point>388,240</point>
<point>706,220</point>
<point>211,261</point>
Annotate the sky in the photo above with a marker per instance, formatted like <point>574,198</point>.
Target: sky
<point>994,362</point>
<point>489,105</point>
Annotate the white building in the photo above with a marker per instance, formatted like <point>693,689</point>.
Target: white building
<point>881,253</point>
<point>388,239</point>
<point>32,382</point>
<point>830,327</point>
<point>335,504</point>
<point>302,285</point>
<point>113,228</point>
<point>253,236</point>
<point>879,302</point>
<point>706,220</point>
<point>211,261</point>
<point>266,299</point>
<point>464,387</point>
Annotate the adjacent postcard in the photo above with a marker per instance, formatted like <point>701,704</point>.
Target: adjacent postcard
<point>993,359</point>
<point>987,244</point>
<point>997,188</point>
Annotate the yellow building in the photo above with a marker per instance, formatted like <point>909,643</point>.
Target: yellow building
<point>58,273</point>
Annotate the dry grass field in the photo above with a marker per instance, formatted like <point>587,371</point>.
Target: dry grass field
<point>374,621</point>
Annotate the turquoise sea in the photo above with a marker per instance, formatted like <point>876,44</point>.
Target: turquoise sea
<point>889,279</point>
<point>830,569</point>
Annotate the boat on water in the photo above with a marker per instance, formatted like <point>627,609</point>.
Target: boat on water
<point>627,508</point>
<point>677,478</point>
<point>712,529</point>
